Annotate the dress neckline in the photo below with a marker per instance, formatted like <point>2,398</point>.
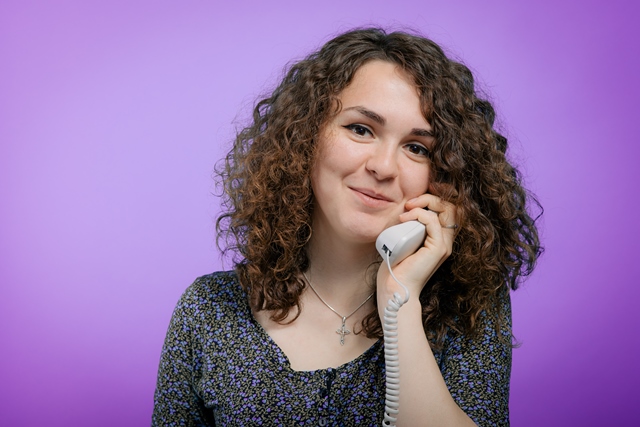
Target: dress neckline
<point>282,360</point>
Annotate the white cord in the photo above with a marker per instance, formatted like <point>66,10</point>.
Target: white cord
<point>391,359</point>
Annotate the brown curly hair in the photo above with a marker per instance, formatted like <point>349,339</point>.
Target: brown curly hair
<point>268,199</point>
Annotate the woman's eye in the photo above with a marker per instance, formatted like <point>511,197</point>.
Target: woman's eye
<point>359,130</point>
<point>418,149</point>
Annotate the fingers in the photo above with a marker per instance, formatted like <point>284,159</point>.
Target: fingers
<point>446,211</point>
<point>439,218</point>
<point>436,239</point>
<point>418,268</point>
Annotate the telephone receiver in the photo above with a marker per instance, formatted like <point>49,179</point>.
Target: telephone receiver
<point>401,240</point>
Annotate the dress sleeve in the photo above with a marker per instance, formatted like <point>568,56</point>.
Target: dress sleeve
<point>176,402</point>
<point>477,370</point>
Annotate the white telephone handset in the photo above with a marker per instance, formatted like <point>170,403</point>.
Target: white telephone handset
<point>401,240</point>
<point>395,244</point>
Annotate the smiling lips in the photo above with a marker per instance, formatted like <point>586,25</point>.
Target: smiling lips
<point>370,197</point>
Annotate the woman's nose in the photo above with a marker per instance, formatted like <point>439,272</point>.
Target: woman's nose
<point>382,161</point>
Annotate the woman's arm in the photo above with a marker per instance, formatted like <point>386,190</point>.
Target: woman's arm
<point>425,398</point>
<point>471,385</point>
<point>176,402</point>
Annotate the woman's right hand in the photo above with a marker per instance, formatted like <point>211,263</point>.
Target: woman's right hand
<point>439,218</point>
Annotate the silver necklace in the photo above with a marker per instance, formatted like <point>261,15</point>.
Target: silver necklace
<point>343,329</point>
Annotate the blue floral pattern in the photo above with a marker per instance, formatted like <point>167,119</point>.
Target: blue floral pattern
<point>219,367</point>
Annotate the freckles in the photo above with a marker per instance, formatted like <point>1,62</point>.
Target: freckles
<point>343,154</point>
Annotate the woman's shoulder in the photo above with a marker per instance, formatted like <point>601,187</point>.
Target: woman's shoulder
<point>492,323</point>
<point>492,334</point>
<point>218,292</point>
<point>220,283</point>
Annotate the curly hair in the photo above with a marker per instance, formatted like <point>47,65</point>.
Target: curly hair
<point>268,199</point>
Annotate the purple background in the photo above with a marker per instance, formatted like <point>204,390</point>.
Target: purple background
<point>113,114</point>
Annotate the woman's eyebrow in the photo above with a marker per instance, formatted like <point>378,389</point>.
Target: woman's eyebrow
<point>368,113</point>
<point>422,132</point>
<point>381,120</point>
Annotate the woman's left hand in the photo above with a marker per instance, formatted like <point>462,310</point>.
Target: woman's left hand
<point>440,220</point>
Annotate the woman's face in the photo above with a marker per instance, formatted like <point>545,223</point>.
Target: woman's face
<point>373,156</point>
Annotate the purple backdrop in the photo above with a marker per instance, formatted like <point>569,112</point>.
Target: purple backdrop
<point>113,114</point>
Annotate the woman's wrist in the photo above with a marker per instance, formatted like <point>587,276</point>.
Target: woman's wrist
<point>412,305</point>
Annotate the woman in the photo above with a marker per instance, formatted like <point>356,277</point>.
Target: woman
<point>373,130</point>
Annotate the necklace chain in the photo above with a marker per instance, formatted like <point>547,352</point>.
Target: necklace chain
<point>343,330</point>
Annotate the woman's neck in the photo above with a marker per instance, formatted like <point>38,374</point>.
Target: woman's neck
<point>341,271</point>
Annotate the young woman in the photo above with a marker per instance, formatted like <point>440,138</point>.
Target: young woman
<point>372,130</point>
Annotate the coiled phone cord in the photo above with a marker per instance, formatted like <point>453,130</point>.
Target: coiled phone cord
<point>391,359</point>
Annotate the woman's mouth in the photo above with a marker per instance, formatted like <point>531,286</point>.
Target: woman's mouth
<point>371,197</point>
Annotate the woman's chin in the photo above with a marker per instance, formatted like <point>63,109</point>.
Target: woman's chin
<point>368,234</point>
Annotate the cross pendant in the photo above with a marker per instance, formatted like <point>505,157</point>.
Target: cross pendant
<point>343,331</point>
